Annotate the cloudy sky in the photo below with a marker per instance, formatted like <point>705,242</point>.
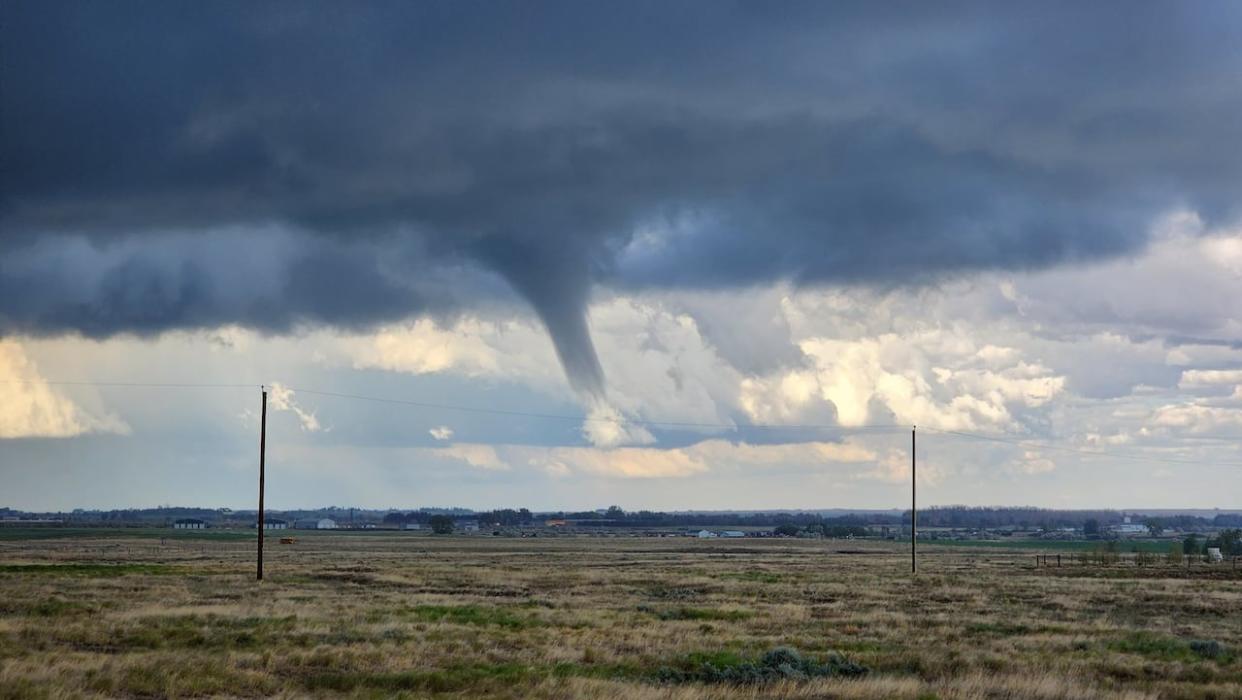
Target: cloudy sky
<point>688,255</point>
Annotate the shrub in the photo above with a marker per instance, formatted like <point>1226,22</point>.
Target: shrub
<point>781,663</point>
<point>441,524</point>
<point>1175,553</point>
<point>1208,648</point>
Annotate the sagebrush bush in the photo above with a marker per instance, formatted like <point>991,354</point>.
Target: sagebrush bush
<point>781,663</point>
<point>1208,648</point>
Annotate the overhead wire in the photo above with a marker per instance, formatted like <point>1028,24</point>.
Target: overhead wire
<point>874,428</point>
<point>1032,444</point>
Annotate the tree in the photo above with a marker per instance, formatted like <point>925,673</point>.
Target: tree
<point>1190,545</point>
<point>786,530</point>
<point>1230,542</point>
<point>1175,553</point>
<point>1091,528</point>
<point>1155,526</point>
<point>441,524</point>
<point>614,513</point>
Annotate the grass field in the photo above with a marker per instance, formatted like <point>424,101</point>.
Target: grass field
<point>1123,546</point>
<point>410,614</point>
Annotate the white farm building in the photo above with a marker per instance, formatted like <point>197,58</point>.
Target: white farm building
<point>314,524</point>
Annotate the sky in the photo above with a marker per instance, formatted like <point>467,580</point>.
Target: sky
<point>704,255</point>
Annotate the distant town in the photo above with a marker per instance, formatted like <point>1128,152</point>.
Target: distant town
<point>937,523</point>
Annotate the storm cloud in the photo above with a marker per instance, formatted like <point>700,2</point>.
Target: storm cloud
<point>186,165</point>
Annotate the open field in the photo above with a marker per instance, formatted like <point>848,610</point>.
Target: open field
<point>390,614</point>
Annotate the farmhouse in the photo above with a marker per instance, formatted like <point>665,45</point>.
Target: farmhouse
<point>189,524</point>
<point>314,524</point>
<point>468,525</point>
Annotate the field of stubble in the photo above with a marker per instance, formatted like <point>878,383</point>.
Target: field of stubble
<point>380,615</point>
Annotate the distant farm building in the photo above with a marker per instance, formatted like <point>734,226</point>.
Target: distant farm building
<point>733,533</point>
<point>314,524</point>
<point>555,522</point>
<point>705,534</point>
<point>1130,528</point>
<point>273,525</point>
<point>468,525</point>
<point>411,526</point>
<point>1214,554</point>
<point>190,524</point>
<point>31,522</point>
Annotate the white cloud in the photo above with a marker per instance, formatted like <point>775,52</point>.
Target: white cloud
<point>701,457</point>
<point>280,398</point>
<point>472,347</point>
<point>606,427</point>
<point>1197,418</point>
<point>442,432</point>
<point>1033,462</point>
<point>622,462</point>
<point>893,467</point>
<point>935,378</point>
<point>29,407</point>
<point>478,456</point>
<point>1104,357</point>
<point>1195,378</point>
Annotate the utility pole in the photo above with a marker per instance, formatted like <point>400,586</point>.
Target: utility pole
<point>262,459</point>
<point>914,512</point>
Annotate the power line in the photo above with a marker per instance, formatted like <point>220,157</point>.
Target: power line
<point>1030,444</point>
<point>479,409</point>
<point>136,385</point>
<point>588,419</point>
<point>875,428</point>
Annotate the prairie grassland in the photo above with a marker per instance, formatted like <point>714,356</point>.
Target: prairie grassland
<point>403,614</point>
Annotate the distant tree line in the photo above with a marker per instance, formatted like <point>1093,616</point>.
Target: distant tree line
<point>1228,541</point>
<point>1094,523</point>
<point>505,517</point>
<point>1091,521</point>
<point>616,517</point>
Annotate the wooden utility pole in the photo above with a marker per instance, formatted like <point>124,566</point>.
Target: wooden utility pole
<point>914,513</point>
<point>262,459</point>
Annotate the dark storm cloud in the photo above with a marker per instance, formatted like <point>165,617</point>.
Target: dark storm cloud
<point>282,164</point>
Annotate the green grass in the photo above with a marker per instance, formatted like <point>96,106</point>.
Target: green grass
<point>715,658</point>
<point>463,615</point>
<point>699,614</point>
<point>998,629</point>
<point>457,677</point>
<point>14,534</point>
<point>182,632</point>
<point>94,570</point>
<point>756,576</point>
<point>1123,546</point>
<point>1153,646</point>
<point>1164,648</point>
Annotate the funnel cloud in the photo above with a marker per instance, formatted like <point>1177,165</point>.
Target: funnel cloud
<point>178,165</point>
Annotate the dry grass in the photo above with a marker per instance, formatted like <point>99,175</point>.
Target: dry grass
<point>384,614</point>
